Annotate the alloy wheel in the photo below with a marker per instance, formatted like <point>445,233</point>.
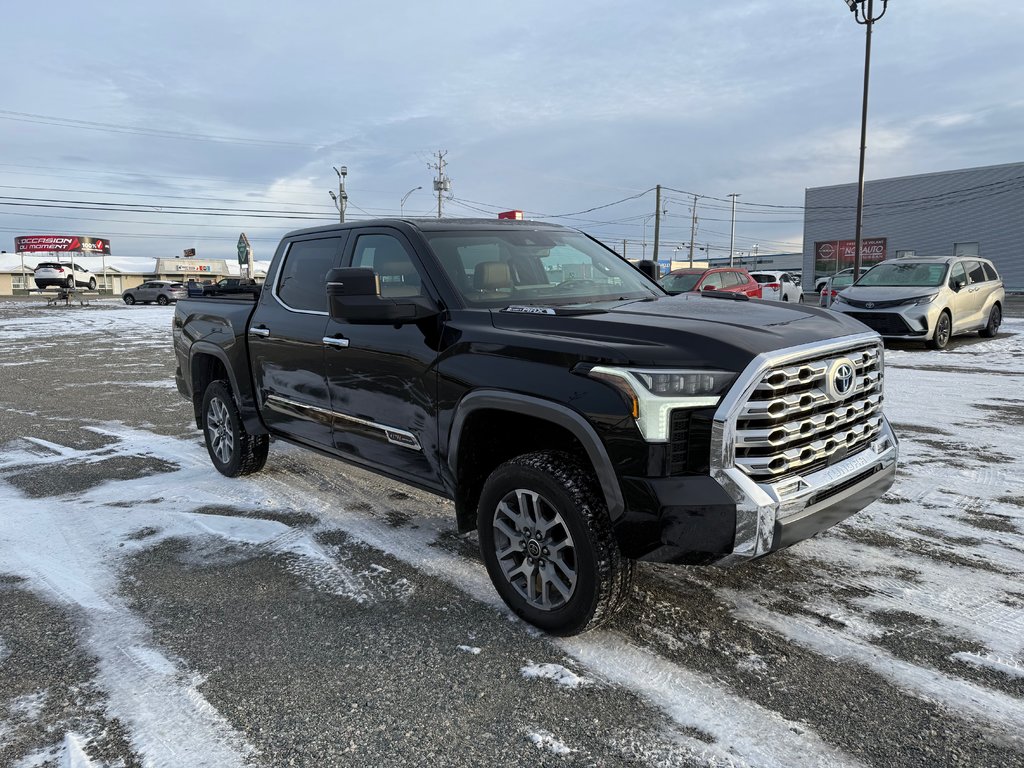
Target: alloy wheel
<point>218,427</point>
<point>534,549</point>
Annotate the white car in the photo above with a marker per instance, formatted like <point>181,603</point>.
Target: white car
<point>49,274</point>
<point>778,286</point>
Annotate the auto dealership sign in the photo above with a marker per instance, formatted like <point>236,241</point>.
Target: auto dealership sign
<point>872,250</point>
<point>61,244</point>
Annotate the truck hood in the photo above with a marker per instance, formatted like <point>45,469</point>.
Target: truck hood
<point>682,330</point>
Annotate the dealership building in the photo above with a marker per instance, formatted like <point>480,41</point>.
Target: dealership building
<point>973,211</point>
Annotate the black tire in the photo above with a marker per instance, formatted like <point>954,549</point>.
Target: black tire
<point>162,300</point>
<point>785,297</point>
<point>943,331</point>
<point>70,281</point>
<point>129,299</point>
<point>233,451</point>
<point>92,283</point>
<point>555,496</point>
<point>995,319</point>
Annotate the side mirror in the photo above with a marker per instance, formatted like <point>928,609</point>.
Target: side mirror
<point>353,296</point>
<point>649,268</point>
<point>957,284</point>
<point>707,288</point>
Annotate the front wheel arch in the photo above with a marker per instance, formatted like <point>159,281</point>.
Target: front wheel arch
<point>554,427</point>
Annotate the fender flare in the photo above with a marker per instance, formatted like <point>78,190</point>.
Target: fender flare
<point>243,400</point>
<point>559,414</point>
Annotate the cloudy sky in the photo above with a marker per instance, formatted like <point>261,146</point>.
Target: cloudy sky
<point>179,125</point>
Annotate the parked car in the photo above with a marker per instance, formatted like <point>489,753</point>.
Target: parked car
<point>927,299</point>
<point>54,274</point>
<point>832,287</point>
<point>778,286</point>
<point>731,279</point>
<point>161,291</point>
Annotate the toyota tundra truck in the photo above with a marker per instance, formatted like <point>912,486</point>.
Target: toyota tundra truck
<point>579,418</point>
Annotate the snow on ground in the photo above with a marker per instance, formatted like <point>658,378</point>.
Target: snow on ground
<point>547,741</point>
<point>556,673</point>
<point>946,546</point>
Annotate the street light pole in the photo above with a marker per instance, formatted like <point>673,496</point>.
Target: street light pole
<point>732,234</point>
<point>341,199</point>
<point>866,17</point>
<point>406,197</point>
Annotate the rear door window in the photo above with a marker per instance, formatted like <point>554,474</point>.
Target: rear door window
<point>990,271</point>
<point>975,272</point>
<point>302,282</point>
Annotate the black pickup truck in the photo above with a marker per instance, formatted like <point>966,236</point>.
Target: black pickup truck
<point>579,418</point>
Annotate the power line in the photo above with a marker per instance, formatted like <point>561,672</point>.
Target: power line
<point>64,122</point>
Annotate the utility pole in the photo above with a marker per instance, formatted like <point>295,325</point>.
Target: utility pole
<point>442,183</point>
<point>693,228</point>
<point>623,247</point>
<point>868,19</point>
<point>732,236</point>
<point>657,218</point>
<point>340,199</point>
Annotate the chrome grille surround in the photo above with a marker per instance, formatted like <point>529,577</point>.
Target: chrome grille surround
<point>782,437</point>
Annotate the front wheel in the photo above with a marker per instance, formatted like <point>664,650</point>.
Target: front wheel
<point>70,282</point>
<point>92,283</point>
<point>548,545</point>
<point>129,299</point>
<point>162,301</point>
<point>232,449</point>
<point>995,319</point>
<point>943,331</point>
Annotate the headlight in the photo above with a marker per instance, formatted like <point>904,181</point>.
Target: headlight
<point>925,299</point>
<point>839,299</point>
<point>654,394</point>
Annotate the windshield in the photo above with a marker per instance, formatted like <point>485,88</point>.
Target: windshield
<point>680,283</point>
<point>520,266</point>
<point>918,275</point>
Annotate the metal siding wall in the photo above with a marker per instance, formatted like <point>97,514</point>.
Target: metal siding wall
<point>958,206</point>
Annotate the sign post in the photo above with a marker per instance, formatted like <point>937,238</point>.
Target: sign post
<point>245,255</point>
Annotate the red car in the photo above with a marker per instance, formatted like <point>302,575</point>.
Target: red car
<point>717,279</point>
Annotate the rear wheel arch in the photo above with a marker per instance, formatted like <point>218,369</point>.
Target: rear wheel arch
<point>492,427</point>
<point>207,367</point>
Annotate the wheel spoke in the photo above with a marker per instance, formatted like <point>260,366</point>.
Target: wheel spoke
<point>510,532</point>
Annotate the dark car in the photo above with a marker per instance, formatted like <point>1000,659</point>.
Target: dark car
<point>730,279</point>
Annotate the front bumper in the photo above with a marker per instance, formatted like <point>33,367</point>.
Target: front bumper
<point>729,519</point>
<point>908,321</point>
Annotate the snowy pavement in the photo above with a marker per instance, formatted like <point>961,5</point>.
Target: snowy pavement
<point>155,613</point>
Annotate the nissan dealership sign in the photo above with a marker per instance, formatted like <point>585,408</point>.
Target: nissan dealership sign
<point>62,244</point>
<point>840,253</point>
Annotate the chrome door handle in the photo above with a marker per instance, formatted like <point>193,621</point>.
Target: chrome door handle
<point>264,332</point>
<point>331,342</point>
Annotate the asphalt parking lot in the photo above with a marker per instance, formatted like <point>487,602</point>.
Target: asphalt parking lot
<point>153,612</point>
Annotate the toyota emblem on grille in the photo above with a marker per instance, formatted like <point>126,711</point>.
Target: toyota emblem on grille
<point>870,305</point>
<point>841,378</point>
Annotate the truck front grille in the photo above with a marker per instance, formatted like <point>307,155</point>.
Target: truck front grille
<point>796,422</point>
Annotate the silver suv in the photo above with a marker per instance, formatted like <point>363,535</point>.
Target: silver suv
<point>161,291</point>
<point>927,299</point>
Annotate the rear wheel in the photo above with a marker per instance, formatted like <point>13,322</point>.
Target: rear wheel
<point>548,546</point>
<point>70,281</point>
<point>232,449</point>
<point>943,331</point>
<point>129,299</point>
<point>995,319</point>
<point>162,300</point>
